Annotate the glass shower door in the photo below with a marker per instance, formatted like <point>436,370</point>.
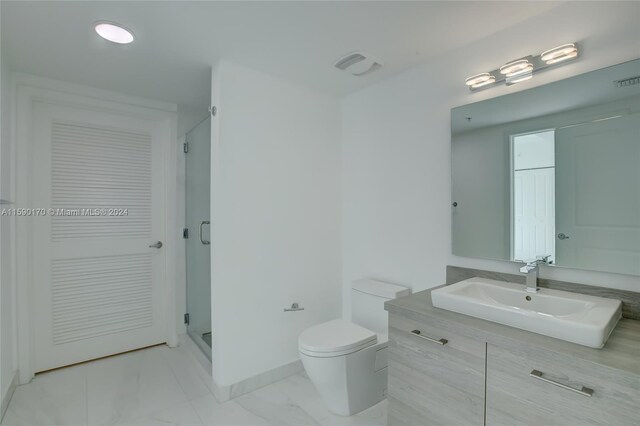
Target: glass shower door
<point>198,248</point>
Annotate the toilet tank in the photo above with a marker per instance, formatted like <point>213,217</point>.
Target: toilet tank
<point>367,303</point>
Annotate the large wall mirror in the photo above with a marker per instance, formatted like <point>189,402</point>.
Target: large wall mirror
<point>552,171</point>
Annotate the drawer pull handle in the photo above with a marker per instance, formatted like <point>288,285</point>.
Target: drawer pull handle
<point>438,341</point>
<point>584,391</point>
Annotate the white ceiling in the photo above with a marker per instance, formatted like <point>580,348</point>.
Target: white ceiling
<point>178,41</point>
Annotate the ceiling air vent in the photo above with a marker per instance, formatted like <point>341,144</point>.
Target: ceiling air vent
<point>358,63</point>
<point>628,81</point>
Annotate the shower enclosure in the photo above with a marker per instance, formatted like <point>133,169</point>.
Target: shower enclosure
<point>197,233</point>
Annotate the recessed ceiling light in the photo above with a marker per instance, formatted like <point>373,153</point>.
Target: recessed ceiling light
<point>113,32</point>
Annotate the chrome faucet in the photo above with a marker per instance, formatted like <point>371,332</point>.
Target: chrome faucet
<point>531,270</point>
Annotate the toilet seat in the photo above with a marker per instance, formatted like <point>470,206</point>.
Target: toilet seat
<point>335,338</point>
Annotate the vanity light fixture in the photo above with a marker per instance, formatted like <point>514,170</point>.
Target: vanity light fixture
<point>113,32</point>
<point>515,68</point>
<point>559,54</point>
<point>480,80</point>
<point>519,77</point>
<point>524,68</point>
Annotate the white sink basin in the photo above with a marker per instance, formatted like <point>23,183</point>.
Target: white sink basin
<point>578,318</point>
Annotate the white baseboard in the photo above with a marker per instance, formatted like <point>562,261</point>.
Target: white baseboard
<point>263,379</point>
<point>6,398</point>
<point>225,393</point>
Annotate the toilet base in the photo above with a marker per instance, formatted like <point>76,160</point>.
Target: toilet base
<point>350,383</point>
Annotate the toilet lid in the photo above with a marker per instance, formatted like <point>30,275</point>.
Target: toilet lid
<point>335,336</point>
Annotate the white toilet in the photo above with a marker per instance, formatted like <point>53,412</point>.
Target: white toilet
<point>347,361</point>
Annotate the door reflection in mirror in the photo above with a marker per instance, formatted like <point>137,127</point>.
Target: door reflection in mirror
<point>533,196</point>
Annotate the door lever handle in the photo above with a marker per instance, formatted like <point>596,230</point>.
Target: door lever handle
<point>156,245</point>
<point>205,242</point>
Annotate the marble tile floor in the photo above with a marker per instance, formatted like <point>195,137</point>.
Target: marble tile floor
<point>163,386</point>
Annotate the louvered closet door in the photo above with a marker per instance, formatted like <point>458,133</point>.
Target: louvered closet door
<point>98,285</point>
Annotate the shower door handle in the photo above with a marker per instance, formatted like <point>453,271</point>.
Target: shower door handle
<point>205,242</point>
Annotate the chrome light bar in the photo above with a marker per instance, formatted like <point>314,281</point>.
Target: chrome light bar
<point>523,69</point>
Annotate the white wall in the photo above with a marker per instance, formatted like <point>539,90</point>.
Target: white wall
<point>7,237</point>
<point>275,218</point>
<point>396,146</point>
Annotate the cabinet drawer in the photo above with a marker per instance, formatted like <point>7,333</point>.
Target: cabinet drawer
<point>531,386</point>
<point>440,381</point>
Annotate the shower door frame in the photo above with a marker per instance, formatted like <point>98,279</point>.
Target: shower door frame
<point>195,234</point>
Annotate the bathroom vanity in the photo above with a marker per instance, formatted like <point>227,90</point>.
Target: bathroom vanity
<point>547,179</point>
<point>446,368</point>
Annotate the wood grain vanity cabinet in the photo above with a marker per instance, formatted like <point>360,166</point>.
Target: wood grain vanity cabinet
<point>537,387</point>
<point>421,356</point>
<point>455,370</point>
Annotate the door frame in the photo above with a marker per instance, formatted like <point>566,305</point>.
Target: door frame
<point>511,135</point>
<point>30,90</point>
